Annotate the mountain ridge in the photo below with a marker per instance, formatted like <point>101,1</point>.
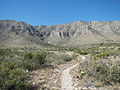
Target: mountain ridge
<point>69,34</point>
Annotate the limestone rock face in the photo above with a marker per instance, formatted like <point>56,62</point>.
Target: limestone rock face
<point>79,33</point>
<point>18,34</point>
<point>69,34</point>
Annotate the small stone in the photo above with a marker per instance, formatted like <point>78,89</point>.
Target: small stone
<point>34,83</point>
<point>84,88</point>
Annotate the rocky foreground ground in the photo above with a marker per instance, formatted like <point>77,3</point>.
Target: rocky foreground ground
<point>66,77</point>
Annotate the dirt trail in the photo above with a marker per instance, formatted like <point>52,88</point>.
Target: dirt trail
<point>58,79</point>
<point>66,77</point>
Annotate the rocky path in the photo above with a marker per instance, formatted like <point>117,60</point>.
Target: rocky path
<point>60,78</point>
<point>66,77</point>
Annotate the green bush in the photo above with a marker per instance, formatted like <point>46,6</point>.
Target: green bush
<point>17,78</point>
<point>66,58</point>
<point>4,52</point>
<point>102,55</point>
<point>29,64</point>
<point>103,70</point>
<point>115,74</point>
<point>11,77</point>
<point>82,52</point>
<point>53,59</point>
<point>28,56</point>
<point>33,61</point>
<point>40,58</point>
<point>58,58</point>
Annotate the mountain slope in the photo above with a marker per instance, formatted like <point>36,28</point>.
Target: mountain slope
<point>19,34</point>
<point>13,33</point>
<point>80,33</point>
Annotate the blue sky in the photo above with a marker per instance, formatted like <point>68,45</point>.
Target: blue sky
<point>52,12</point>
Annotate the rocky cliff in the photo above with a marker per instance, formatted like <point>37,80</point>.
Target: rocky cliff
<point>19,34</point>
<point>69,34</point>
<point>79,33</point>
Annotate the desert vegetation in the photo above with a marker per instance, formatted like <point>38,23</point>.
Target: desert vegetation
<point>15,65</point>
<point>102,64</point>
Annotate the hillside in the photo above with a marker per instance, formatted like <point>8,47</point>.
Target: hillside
<point>79,33</point>
<point>15,34</point>
<point>19,34</point>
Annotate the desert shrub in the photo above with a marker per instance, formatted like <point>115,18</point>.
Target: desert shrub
<point>100,70</point>
<point>108,73</point>
<point>53,59</point>
<point>4,52</point>
<point>66,58</point>
<point>105,64</point>
<point>82,52</point>
<point>11,64</point>
<point>59,58</point>
<point>33,61</point>
<point>102,55</point>
<point>74,56</point>
<point>28,56</point>
<point>103,70</point>
<point>115,73</point>
<point>29,64</point>
<point>40,58</point>
<point>11,77</point>
<point>15,63</point>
